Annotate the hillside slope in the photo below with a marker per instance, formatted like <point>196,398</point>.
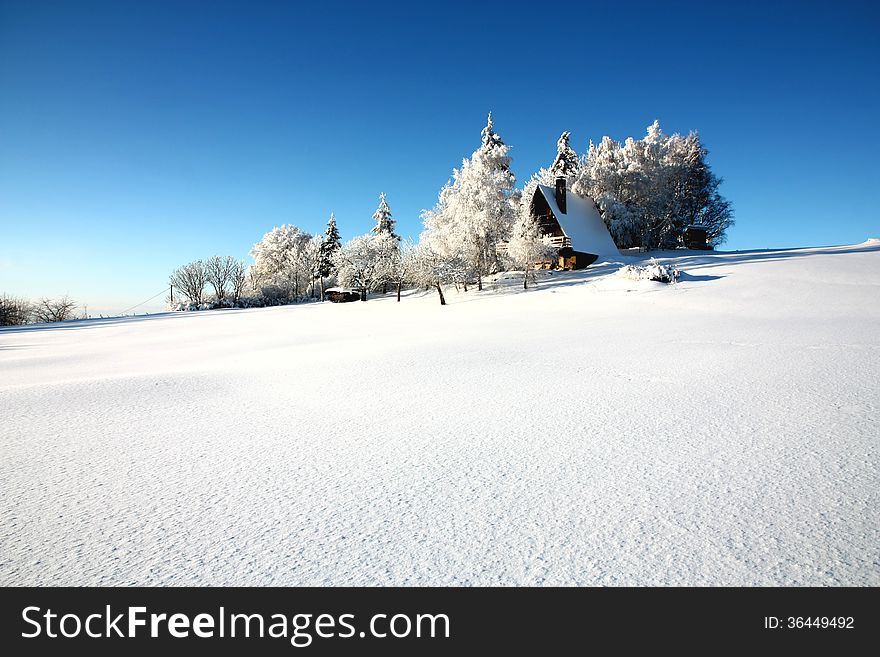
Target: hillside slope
<point>591,431</point>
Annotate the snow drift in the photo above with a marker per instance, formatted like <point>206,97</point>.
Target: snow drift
<point>722,430</point>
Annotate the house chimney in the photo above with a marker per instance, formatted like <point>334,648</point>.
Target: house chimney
<point>560,194</point>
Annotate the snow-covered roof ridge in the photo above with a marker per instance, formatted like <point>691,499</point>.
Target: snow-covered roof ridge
<point>581,223</point>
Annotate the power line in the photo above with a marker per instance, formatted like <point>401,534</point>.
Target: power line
<point>142,302</point>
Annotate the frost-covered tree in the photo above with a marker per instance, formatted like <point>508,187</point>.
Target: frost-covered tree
<point>329,246</point>
<point>649,190</point>
<point>433,267</point>
<point>693,197</point>
<point>526,247</point>
<point>218,271</point>
<point>382,216</point>
<point>605,178</point>
<point>477,208</point>
<point>566,162</point>
<point>384,225</point>
<point>190,280</point>
<point>54,310</point>
<point>332,240</point>
<point>237,281</point>
<point>401,265</point>
<point>363,263</point>
<point>313,258</point>
<point>14,311</point>
<point>282,260</point>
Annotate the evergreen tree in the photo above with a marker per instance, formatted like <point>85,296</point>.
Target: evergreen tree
<point>327,252</point>
<point>332,243</point>
<point>385,226</point>
<point>477,208</point>
<point>384,221</point>
<point>493,150</point>
<point>566,162</point>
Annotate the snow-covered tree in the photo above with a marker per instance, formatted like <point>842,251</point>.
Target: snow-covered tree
<point>693,191</point>
<point>477,208</point>
<point>400,265</point>
<point>649,190</point>
<point>385,226</point>
<point>14,311</point>
<point>313,261</point>
<point>332,240</point>
<point>218,271</point>
<point>282,260</point>
<point>237,281</point>
<point>382,216</point>
<point>435,267</point>
<point>526,247</point>
<point>190,280</point>
<point>566,162</point>
<point>54,310</point>
<point>363,263</point>
<point>329,246</point>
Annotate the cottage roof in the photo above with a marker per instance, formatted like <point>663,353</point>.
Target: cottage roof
<point>582,223</point>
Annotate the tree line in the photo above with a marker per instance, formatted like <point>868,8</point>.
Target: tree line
<point>647,192</point>
<point>17,311</point>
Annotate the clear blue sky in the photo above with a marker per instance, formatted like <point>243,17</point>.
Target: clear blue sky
<point>136,136</point>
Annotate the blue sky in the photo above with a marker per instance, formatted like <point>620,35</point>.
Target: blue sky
<point>135,137</point>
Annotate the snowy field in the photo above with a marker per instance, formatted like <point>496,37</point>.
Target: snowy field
<point>593,431</point>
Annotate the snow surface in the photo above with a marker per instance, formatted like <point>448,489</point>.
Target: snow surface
<point>722,430</point>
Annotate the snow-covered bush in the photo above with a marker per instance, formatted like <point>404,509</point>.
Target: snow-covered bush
<point>653,271</point>
<point>183,306</point>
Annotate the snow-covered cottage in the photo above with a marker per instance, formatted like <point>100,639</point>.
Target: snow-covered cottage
<point>572,224</point>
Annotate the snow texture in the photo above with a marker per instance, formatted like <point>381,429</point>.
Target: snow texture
<point>592,431</point>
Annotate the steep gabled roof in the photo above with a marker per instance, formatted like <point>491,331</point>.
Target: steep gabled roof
<point>582,223</point>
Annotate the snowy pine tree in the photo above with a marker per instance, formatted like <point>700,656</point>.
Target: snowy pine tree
<point>477,208</point>
<point>384,221</point>
<point>493,149</point>
<point>566,162</point>
<point>330,244</point>
<point>384,226</point>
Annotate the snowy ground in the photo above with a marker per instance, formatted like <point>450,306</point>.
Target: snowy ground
<point>593,431</point>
